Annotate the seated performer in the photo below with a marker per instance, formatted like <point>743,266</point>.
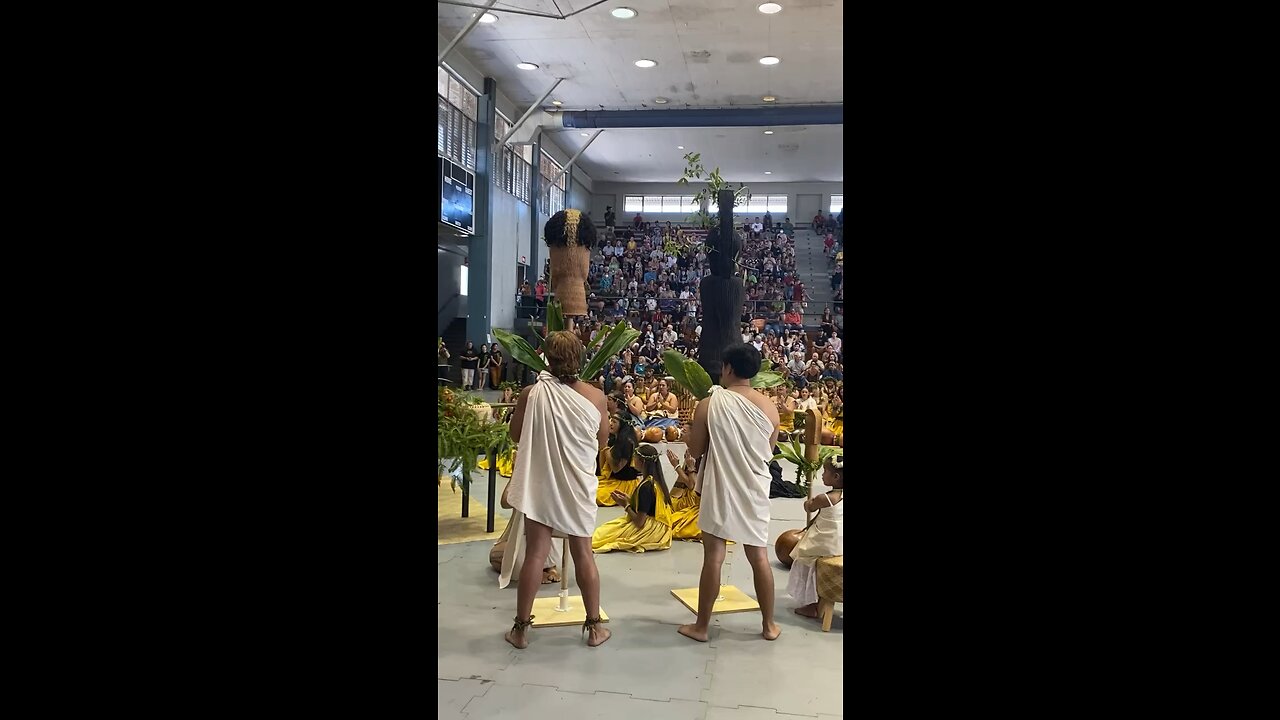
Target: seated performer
<point>662,403</point>
<point>786,411</point>
<point>512,553</point>
<point>619,469</point>
<point>833,421</point>
<point>629,408</point>
<point>647,522</point>
<point>823,538</point>
<point>506,463</point>
<point>684,499</point>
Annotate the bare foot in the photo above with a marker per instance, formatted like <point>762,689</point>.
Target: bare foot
<point>598,636</point>
<point>771,631</point>
<point>692,632</point>
<point>517,639</point>
<point>808,611</point>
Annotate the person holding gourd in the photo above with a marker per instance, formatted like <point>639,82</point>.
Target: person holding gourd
<point>647,522</point>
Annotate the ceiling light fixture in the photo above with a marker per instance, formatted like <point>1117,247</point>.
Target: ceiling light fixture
<point>645,63</point>
<point>584,134</point>
<point>769,60</point>
<point>768,132</point>
<point>770,8</point>
<point>768,172</point>
<point>488,18</point>
<point>679,147</point>
<point>526,66</point>
<point>768,98</point>
<point>557,103</point>
<point>623,13</point>
<point>661,101</point>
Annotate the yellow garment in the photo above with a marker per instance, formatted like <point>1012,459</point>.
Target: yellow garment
<point>832,422</point>
<point>786,419</point>
<point>622,534</point>
<point>506,463</point>
<point>684,516</point>
<point>608,485</point>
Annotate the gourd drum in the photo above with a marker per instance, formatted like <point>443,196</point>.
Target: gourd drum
<point>495,555</point>
<point>673,434</point>
<point>785,543</point>
<point>653,435</point>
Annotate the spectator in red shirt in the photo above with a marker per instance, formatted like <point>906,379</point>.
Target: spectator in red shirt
<point>638,221</point>
<point>799,292</point>
<point>792,320</point>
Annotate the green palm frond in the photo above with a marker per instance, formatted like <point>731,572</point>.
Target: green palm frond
<point>520,349</point>
<point>615,338</point>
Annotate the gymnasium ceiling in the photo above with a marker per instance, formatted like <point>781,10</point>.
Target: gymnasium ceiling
<point>707,54</point>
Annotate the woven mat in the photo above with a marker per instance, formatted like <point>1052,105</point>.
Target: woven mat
<point>831,578</point>
<point>452,528</point>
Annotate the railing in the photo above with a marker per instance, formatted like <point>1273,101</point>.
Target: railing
<point>528,307</point>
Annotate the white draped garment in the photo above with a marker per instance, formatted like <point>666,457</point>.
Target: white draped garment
<point>554,481</point>
<point>735,471</point>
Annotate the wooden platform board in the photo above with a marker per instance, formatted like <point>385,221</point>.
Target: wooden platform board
<point>545,613</point>
<point>735,601</point>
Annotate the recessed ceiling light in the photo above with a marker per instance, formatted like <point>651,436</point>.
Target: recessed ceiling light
<point>768,98</point>
<point>488,18</point>
<point>679,147</point>
<point>645,63</point>
<point>623,13</point>
<point>584,134</point>
<point>557,103</point>
<point>769,60</point>
<point>526,66</point>
<point>768,132</point>
<point>661,101</point>
<point>770,8</point>
<point>768,172</point>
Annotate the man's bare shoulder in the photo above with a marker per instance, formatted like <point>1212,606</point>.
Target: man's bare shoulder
<point>590,392</point>
<point>765,403</point>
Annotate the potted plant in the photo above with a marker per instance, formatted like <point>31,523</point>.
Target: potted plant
<point>466,430</point>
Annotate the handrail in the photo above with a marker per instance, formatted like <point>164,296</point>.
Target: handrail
<point>443,308</point>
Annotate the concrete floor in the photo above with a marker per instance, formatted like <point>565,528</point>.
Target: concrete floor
<point>646,670</point>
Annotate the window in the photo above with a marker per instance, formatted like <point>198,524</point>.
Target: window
<point>456,108</point>
<point>760,204</point>
<point>837,204</point>
<point>659,204</point>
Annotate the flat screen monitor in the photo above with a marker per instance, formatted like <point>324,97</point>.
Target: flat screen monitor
<point>457,190</point>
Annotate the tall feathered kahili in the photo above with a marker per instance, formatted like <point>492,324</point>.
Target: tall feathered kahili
<point>570,235</point>
<point>722,293</point>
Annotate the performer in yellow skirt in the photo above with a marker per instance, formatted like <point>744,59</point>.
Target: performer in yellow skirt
<point>833,422</point>
<point>647,522</point>
<point>618,470</point>
<point>786,409</point>
<point>685,500</point>
<point>506,463</point>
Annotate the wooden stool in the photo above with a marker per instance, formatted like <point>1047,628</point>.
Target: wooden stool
<point>830,588</point>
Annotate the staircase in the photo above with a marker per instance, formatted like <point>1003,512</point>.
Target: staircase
<point>814,270</point>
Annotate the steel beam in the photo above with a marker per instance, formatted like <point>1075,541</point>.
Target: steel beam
<point>471,24</point>
<point>528,113</point>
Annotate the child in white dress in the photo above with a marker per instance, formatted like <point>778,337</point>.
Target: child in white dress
<point>823,538</point>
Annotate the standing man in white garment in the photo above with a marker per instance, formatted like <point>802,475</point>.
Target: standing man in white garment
<point>561,424</point>
<point>735,429</point>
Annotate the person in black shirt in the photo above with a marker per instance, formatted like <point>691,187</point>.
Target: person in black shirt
<point>470,360</point>
<point>609,217</point>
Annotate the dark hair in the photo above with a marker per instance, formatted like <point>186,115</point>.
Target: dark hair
<point>563,351</point>
<point>554,230</point>
<point>653,468</point>
<point>743,358</point>
<point>624,443</point>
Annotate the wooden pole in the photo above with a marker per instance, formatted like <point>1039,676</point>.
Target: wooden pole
<point>812,443</point>
<point>564,575</point>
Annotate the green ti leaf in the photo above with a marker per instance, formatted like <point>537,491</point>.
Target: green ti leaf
<point>520,349</point>
<point>617,337</point>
